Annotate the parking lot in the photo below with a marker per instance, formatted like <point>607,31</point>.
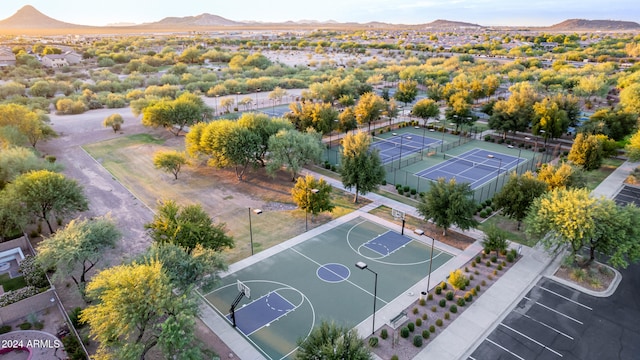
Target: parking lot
<point>553,321</point>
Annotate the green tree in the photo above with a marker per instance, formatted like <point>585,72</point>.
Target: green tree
<point>517,194</point>
<point>630,98</point>
<point>587,152</point>
<point>141,294</point>
<point>549,119</point>
<point>199,268</point>
<point>332,342</point>
<point>187,226</point>
<point>31,124</point>
<point>13,217</point>
<point>293,149</point>
<point>113,121</point>
<point>495,239</point>
<point>174,115</point>
<point>77,248</point>
<point>615,124</point>
<point>304,194</point>
<point>361,167</point>
<point>347,120</point>
<point>265,127</point>
<point>170,161</point>
<point>15,161</point>
<point>447,204</point>
<point>45,194</point>
<point>407,91</point>
<point>426,109</point>
<point>369,108</point>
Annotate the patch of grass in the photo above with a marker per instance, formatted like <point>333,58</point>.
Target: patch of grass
<point>396,197</point>
<point>595,177</point>
<point>9,284</point>
<point>510,227</point>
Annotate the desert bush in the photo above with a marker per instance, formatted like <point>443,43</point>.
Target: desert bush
<point>430,296</point>
<point>373,341</point>
<point>439,322</point>
<point>411,326</point>
<point>438,290</point>
<point>447,315</point>
<point>453,308</point>
<point>425,334</point>
<point>25,325</point>
<point>5,329</point>
<point>432,329</point>
<point>442,303</point>
<point>424,316</point>
<point>394,357</point>
<point>449,295</point>
<point>461,301</point>
<point>384,334</point>
<point>434,308</point>
<point>423,302</point>
<point>468,296</point>
<point>417,341</point>
<point>404,332</point>
<point>418,322</point>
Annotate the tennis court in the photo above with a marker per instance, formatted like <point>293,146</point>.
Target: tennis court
<point>295,289</point>
<point>475,167</point>
<point>401,145</point>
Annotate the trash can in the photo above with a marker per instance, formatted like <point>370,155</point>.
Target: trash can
<point>423,295</point>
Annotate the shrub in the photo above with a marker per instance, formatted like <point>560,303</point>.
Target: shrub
<point>488,263</point>
<point>384,334</point>
<point>394,357</point>
<point>373,341</point>
<point>400,191</point>
<point>453,308</point>
<point>499,267</point>
<point>425,334</point>
<point>495,272</point>
<point>418,322</point>
<point>488,209</point>
<point>417,341</point>
<point>503,263</point>
<point>514,253</point>
<point>473,264</point>
<point>406,188</point>
<point>424,316</point>
<point>461,301</point>
<point>415,310</point>
<point>74,316</point>
<point>413,191</point>
<point>442,303</point>
<point>483,214</point>
<point>489,277</point>
<point>443,285</point>
<point>439,322</point>
<point>430,296</point>
<point>449,295</point>
<point>434,308</point>
<point>438,290</point>
<point>510,257</point>
<point>404,332</point>
<point>477,272</point>
<point>398,186</point>
<point>72,347</point>
<point>494,259</point>
<point>411,326</point>
<point>474,291</point>
<point>33,273</point>
<point>423,302</point>
<point>468,296</point>
<point>447,316</point>
<point>432,328</point>
<point>471,277</point>
<point>478,259</point>
<point>5,329</point>
<point>25,325</point>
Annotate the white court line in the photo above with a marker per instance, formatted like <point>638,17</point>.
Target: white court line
<point>349,281</point>
<point>548,326</point>
<point>471,357</point>
<point>531,339</point>
<point>505,349</point>
<point>564,297</point>
<point>554,310</point>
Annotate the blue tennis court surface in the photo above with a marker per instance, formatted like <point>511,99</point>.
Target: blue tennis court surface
<point>261,312</point>
<point>395,147</point>
<point>475,167</point>
<point>387,243</point>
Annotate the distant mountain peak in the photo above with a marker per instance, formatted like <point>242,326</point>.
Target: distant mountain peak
<point>594,25</point>
<point>28,17</point>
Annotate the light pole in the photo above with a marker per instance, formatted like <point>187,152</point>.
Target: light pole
<point>217,95</point>
<point>257,212</point>
<point>306,211</point>
<point>362,266</point>
<point>444,119</point>
<point>257,91</point>
<point>430,262</point>
<point>237,102</point>
<point>490,156</point>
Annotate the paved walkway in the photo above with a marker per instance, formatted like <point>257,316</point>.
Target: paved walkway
<point>461,337</point>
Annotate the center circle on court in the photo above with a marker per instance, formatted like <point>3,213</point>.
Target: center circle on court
<point>333,273</point>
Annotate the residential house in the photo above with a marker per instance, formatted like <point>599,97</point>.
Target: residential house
<point>7,57</point>
<point>54,61</point>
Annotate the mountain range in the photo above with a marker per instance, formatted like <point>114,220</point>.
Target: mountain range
<point>28,20</point>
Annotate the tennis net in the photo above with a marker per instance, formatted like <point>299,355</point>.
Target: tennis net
<point>407,145</point>
<point>471,163</point>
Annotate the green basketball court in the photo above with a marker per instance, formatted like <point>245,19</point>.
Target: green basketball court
<point>293,290</point>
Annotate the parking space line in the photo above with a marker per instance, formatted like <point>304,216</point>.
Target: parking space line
<point>505,349</point>
<point>564,297</point>
<point>548,326</point>
<point>554,310</point>
<point>471,357</point>
<point>531,339</point>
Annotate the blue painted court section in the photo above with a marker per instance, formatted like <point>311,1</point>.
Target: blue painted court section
<point>333,273</point>
<point>261,312</point>
<point>387,243</point>
<point>475,167</point>
<point>393,148</point>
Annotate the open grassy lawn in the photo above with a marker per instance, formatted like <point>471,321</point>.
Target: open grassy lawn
<point>511,228</point>
<point>595,177</point>
<point>9,284</point>
<point>227,200</point>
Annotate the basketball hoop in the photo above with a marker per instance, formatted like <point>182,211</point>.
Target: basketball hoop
<point>398,215</point>
<point>244,291</point>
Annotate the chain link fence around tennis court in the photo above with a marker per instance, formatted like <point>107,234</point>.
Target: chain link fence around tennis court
<point>402,171</point>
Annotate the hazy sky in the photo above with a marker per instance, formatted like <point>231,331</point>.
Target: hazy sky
<point>483,12</point>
